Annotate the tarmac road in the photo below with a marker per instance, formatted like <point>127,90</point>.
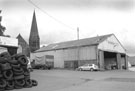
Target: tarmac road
<point>69,80</point>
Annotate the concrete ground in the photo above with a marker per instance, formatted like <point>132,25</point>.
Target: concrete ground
<point>69,80</point>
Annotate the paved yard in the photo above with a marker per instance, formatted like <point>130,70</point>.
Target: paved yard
<point>68,80</point>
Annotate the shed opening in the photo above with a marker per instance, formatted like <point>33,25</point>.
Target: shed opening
<point>110,60</point>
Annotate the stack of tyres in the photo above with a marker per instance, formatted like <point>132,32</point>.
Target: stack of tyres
<point>6,77</point>
<point>14,73</point>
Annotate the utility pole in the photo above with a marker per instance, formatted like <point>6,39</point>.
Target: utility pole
<point>77,33</point>
<point>78,55</point>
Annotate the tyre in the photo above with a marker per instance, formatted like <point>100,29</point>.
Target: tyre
<point>80,69</point>
<point>23,60</point>
<point>91,69</point>
<point>18,87</point>
<point>16,56</point>
<point>24,67</point>
<point>34,82</point>
<point>26,77</point>
<point>13,61</point>
<point>3,60</point>
<point>26,72</point>
<point>2,89</point>
<point>5,55</point>
<point>5,66</point>
<point>28,83</point>
<point>15,65</point>
<point>10,85</point>
<point>19,82</point>
<point>2,83</point>
<point>1,75</point>
<point>19,70</point>
<point>8,74</point>
<point>18,73</point>
<point>18,77</point>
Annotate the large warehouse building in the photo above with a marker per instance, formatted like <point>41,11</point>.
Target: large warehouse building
<point>105,51</point>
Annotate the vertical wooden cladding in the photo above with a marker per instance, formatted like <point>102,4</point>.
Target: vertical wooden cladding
<point>87,53</point>
<point>84,53</point>
<point>70,54</point>
<point>58,59</point>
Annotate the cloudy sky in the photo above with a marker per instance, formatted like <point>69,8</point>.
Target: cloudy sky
<point>58,19</point>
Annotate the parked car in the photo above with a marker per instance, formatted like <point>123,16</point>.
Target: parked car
<point>90,67</point>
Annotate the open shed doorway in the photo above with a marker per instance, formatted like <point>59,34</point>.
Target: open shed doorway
<point>110,60</point>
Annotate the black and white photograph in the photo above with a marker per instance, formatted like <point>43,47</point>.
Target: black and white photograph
<point>67,45</point>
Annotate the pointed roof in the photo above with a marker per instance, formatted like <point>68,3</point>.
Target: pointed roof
<point>21,39</point>
<point>34,28</point>
<point>75,43</point>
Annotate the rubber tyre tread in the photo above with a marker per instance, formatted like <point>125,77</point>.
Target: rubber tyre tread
<point>26,72</point>
<point>26,77</point>
<point>19,82</point>
<point>5,66</point>
<point>34,82</point>
<point>24,67</point>
<point>15,65</point>
<point>16,56</point>
<point>10,85</point>
<point>18,73</point>
<point>3,83</point>
<point>8,76</point>
<point>28,83</point>
<point>18,87</point>
<point>2,89</point>
<point>19,77</point>
<point>3,60</point>
<point>12,61</point>
<point>5,55</point>
<point>23,60</point>
<point>17,69</point>
<point>1,75</point>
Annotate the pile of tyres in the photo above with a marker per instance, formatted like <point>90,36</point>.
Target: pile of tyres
<point>14,73</point>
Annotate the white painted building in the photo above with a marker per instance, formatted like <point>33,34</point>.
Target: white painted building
<point>105,51</point>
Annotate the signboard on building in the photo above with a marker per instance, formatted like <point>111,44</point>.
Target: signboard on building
<point>7,41</point>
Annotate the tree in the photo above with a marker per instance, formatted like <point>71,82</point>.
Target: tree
<point>2,28</point>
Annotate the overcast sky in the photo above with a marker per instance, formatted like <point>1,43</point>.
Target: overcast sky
<point>93,17</point>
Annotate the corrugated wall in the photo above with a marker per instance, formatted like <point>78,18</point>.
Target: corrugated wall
<point>81,53</point>
<point>87,53</point>
<point>70,54</point>
<point>58,59</point>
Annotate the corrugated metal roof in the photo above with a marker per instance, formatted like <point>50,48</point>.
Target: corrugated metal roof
<point>74,43</point>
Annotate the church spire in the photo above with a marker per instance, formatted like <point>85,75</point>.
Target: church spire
<point>34,40</point>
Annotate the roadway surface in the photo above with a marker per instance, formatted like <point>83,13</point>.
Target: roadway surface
<point>70,80</point>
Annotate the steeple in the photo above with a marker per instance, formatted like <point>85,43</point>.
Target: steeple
<point>34,40</point>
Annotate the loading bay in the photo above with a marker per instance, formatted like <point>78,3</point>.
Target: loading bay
<point>70,80</point>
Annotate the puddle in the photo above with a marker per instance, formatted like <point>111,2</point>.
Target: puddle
<point>120,79</point>
<point>84,80</point>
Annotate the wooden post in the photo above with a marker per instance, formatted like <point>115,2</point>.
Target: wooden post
<point>101,60</point>
<point>119,61</point>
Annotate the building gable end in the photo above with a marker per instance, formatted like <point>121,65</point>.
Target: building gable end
<point>111,44</point>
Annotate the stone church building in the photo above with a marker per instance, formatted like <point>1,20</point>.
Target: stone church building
<point>34,40</point>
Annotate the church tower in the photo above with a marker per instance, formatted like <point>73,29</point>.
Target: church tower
<point>34,40</point>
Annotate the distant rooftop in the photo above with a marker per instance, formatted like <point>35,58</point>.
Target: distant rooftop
<point>75,43</point>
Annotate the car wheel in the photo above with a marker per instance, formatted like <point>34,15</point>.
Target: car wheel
<point>91,69</point>
<point>80,69</point>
